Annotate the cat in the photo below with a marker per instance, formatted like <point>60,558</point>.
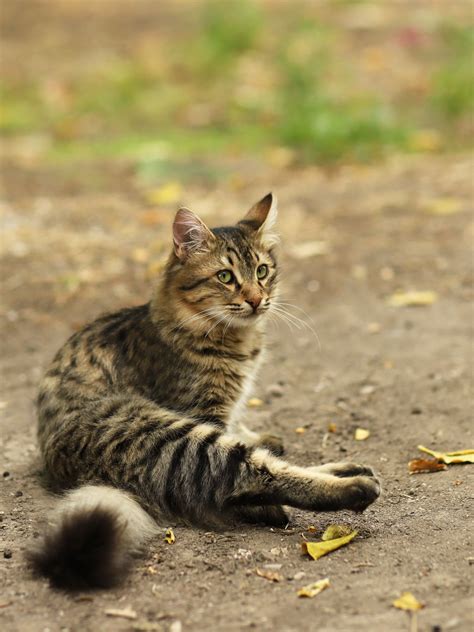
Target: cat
<point>140,412</point>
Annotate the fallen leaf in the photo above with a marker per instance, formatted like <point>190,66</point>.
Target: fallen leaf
<point>407,601</point>
<point>332,427</point>
<point>272,576</point>
<point>426,140</point>
<point>318,549</point>
<point>166,194</point>
<point>309,249</point>
<point>460,456</point>
<point>311,590</point>
<point>443,206</point>
<point>361,434</point>
<point>300,430</point>
<point>419,466</point>
<point>170,536</point>
<point>413,298</point>
<point>334,531</point>
<point>255,402</point>
<point>126,613</point>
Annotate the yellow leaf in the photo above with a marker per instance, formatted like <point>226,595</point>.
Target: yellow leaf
<point>166,194</point>
<point>361,434</point>
<point>311,590</point>
<point>318,549</point>
<point>332,427</point>
<point>443,206</point>
<point>412,299</point>
<point>170,536</point>
<point>407,601</point>
<point>334,531</point>
<point>461,456</point>
<point>426,140</point>
<point>254,402</point>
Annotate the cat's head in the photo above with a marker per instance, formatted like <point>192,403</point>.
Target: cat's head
<point>224,277</point>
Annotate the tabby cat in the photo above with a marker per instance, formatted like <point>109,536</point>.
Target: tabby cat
<point>139,413</point>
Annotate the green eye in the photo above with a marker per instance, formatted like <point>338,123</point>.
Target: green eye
<point>225,276</point>
<point>262,271</point>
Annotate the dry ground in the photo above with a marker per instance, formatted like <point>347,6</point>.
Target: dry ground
<point>72,253</point>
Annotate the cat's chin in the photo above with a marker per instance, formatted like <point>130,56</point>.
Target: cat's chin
<point>246,320</point>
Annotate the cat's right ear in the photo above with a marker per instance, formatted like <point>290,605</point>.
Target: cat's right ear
<point>190,234</point>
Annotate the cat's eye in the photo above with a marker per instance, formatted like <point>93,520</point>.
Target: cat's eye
<point>225,276</point>
<point>262,271</point>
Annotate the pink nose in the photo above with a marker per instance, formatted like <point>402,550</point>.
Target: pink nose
<point>254,301</point>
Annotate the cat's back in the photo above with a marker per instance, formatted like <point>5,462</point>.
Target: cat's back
<point>86,366</point>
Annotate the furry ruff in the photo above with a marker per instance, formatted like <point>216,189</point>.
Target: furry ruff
<point>95,533</point>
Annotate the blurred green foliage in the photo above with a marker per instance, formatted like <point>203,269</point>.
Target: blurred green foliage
<point>246,79</point>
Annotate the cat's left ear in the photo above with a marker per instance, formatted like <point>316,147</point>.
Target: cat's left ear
<point>262,218</point>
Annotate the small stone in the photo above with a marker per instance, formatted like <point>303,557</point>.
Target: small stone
<point>18,494</point>
<point>416,411</point>
<point>7,554</point>
<point>275,390</point>
<point>6,474</point>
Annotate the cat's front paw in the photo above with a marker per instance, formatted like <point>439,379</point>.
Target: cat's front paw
<point>272,443</point>
<point>344,469</point>
<point>358,492</point>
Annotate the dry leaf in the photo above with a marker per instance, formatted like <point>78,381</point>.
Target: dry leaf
<point>361,434</point>
<point>318,549</point>
<point>443,206</point>
<point>419,466</point>
<point>309,249</point>
<point>461,456</point>
<point>311,590</point>
<point>426,140</point>
<point>412,299</point>
<point>170,536</point>
<point>272,576</point>
<point>254,402</point>
<point>332,427</point>
<point>334,531</point>
<point>407,601</point>
<point>126,613</point>
<point>300,430</point>
<point>166,194</point>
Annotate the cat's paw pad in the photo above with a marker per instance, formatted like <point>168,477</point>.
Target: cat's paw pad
<point>272,443</point>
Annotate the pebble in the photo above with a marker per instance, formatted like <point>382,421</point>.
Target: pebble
<point>7,554</point>
<point>275,390</point>
<point>416,411</point>
<point>18,494</point>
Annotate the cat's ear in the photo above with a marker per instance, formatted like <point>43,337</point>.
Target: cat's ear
<point>190,234</point>
<point>262,218</point>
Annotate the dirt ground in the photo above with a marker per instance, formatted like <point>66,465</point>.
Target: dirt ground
<point>81,241</point>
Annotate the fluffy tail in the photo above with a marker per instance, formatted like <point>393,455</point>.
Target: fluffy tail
<point>96,531</point>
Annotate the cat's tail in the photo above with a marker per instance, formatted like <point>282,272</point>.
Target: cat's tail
<point>96,531</point>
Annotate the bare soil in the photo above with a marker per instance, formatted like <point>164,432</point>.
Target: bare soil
<point>82,241</point>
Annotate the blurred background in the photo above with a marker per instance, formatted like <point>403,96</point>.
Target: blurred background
<point>190,87</point>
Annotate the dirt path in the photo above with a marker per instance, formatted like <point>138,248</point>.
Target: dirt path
<point>403,373</point>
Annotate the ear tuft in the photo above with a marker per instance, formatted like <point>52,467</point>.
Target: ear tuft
<point>190,234</point>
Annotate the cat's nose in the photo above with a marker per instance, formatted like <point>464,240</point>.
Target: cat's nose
<point>254,301</point>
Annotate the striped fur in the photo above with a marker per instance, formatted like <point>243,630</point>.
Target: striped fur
<point>147,399</point>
